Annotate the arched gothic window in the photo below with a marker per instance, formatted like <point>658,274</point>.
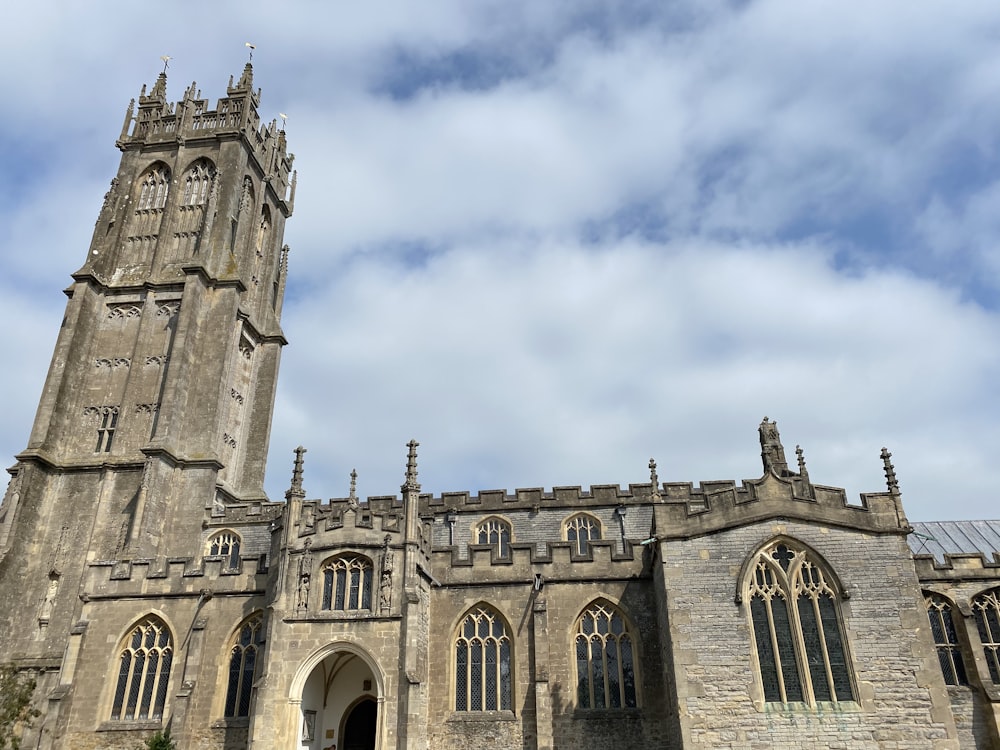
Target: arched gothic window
<point>226,544</point>
<point>605,659</point>
<point>242,663</point>
<point>796,627</point>
<point>197,182</point>
<point>949,650</point>
<point>347,583</point>
<point>986,608</point>
<point>581,530</point>
<point>143,672</point>
<point>155,186</point>
<point>483,662</point>
<point>496,532</point>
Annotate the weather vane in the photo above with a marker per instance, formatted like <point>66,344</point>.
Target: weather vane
<point>166,61</point>
<point>251,47</point>
<point>284,119</point>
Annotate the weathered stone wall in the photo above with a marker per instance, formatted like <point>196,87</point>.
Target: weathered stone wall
<point>902,702</point>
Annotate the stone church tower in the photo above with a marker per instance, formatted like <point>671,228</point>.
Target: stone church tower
<point>158,401</point>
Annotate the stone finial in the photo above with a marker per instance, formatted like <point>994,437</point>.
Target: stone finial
<point>246,80</point>
<point>129,114</point>
<point>654,480</point>
<point>295,489</point>
<point>159,90</point>
<point>354,485</point>
<point>803,472</point>
<point>411,483</point>
<point>890,473</point>
<point>771,451</point>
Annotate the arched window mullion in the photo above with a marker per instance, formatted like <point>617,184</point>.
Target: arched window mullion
<point>483,663</point>
<point>775,648</point>
<point>809,662</point>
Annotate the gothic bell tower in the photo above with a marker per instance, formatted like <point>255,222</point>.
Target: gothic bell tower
<point>158,401</point>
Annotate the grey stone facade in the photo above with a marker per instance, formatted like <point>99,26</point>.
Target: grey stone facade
<point>147,582</point>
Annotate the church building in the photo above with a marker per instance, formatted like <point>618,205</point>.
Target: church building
<point>148,583</point>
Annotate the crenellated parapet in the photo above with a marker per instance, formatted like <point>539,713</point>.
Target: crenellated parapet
<point>687,511</point>
<point>958,567</point>
<point>231,514</point>
<point>174,576</point>
<point>536,497</point>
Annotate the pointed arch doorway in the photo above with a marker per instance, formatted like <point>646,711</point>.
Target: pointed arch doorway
<point>340,699</point>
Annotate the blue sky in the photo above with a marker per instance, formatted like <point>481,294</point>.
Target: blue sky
<point>551,242</point>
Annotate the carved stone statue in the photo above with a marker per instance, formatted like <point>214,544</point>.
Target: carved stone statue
<point>305,576</point>
<point>385,583</point>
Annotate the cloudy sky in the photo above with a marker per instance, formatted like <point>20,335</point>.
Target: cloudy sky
<point>551,240</point>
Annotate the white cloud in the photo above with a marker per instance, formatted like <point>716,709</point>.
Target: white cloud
<point>551,241</point>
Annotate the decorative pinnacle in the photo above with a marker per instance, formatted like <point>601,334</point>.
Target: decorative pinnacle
<point>890,473</point>
<point>354,484</point>
<point>296,487</point>
<point>654,479</point>
<point>411,482</point>
<point>802,462</point>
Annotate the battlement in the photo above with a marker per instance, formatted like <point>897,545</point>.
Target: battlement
<point>191,119</point>
<point>173,576</point>
<point>957,566</point>
<point>568,496</point>
<point>244,513</point>
<point>715,506</point>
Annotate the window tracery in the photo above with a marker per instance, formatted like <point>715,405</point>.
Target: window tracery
<point>347,583</point>
<point>242,663</point>
<point>605,659</point>
<point>495,532</point>
<point>483,662</point>
<point>143,672</point>
<point>581,530</point>
<point>197,182</point>
<point>796,625</point>
<point>986,609</point>
<point>106,432</point>
<point>949,650</point>
<point>154,188</point>
<point>226,544</point>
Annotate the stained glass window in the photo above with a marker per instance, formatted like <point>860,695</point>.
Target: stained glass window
<point>226,544</point>
<point>143,672</point>
<point>605,663</point>
<point>483,663</point>
<point>347,583</point>
<point>581,530</point>
<point>986,608</point>
<point>796,626</point>
<point>949,650</point>
<point>242,663</point>
<point>496,532</point>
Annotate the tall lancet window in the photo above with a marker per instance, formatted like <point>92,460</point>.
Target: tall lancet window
<point>143,672</point>
<point>795,617</point>
<point>986,609</point>
<point>246,645</point>
<point>483,662</point>
<point>605,659</point>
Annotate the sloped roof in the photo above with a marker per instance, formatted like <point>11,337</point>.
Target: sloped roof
<point>939,538</point>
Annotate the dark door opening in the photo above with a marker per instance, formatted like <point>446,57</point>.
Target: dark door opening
<point>359,729</point>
